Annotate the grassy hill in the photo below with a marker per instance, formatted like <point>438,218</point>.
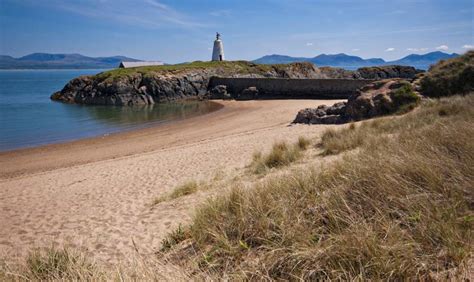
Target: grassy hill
<point>450,77</point>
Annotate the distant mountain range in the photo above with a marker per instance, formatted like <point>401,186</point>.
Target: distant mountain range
<point>77,61</point>
<point>61,61</point>
<point>350,62</point>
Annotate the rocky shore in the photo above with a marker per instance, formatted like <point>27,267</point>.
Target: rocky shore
<point>149,85</point>
<point>376,99</point>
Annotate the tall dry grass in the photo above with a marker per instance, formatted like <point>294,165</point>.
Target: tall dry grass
<point>282,154</point>
<point>399,208</point>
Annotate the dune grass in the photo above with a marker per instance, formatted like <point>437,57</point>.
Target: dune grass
<point>399,208</point>
<point>182,190</point>
<point>52,264</point>
<point>431,112</point>
<point>282,154</point>
<point>175,237</point>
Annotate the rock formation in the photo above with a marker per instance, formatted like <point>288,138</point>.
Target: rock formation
<point>149,85</point>
<point>376,99</point>
<point>168,83</point>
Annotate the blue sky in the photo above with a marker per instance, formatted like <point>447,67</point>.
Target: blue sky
<point>176,30</point>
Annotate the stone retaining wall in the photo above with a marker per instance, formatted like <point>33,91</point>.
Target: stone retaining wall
<point>281,88</point>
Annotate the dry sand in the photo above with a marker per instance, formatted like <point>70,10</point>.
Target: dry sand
<point>95,194</point>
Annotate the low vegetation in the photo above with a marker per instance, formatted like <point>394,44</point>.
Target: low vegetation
<point>185,189</point>
<point>405,99</point>
<point>229,67</point>
<point>432,111</point>
<point>281,154</point>
<point>173,238</point>
<point>52,264</point>
<point>450,77</point>
<point>400,207</point>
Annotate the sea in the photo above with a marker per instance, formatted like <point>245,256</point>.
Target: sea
<point>29,118</point>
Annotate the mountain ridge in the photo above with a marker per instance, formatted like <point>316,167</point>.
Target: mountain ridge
<point>61,61</point>
<point>422,61</point>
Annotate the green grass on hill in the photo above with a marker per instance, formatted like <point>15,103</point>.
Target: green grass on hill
<point>241,67</point>
<point>450,77</point>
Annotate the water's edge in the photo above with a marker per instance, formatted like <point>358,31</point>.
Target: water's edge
<point>214,107</point>
<point>28,118</point>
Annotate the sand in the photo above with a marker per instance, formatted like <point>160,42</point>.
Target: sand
<point>96,194</point>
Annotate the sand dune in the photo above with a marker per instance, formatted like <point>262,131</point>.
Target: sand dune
<point>95,194</point>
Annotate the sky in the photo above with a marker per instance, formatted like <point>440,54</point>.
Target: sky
<point>176,31</point>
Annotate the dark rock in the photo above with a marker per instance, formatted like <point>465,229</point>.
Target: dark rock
<point>384,72</point>
<point>316,116</point>
<point>249,93</point>
<point>336,109</point>
<point>220,92</point>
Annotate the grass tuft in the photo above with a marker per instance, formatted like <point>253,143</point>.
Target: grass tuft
<point>174,238</point>
<point>282,154</point>
<point>303,143</point>
<point>59,264</point>
<point>185,189</point>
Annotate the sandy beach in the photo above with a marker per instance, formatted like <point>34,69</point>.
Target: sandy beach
<point>95,194</point>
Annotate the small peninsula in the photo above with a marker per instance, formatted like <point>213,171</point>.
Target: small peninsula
<point>159,84</point>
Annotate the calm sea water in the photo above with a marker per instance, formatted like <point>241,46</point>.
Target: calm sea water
<point>29,118</point>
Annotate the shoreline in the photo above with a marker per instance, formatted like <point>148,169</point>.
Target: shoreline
<point>136,127</point>
<point>95,194</point>
<point>39,151</point>
<point>17,163</point>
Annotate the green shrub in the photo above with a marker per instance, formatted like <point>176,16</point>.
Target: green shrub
<point>404,96</point>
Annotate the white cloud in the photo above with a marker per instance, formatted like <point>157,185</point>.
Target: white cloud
<point>417,49</point>
<point>355,50</point>
<point>442,48</point>
<point>468,46</point>
<point>309,44</point>
<point>391,49</point>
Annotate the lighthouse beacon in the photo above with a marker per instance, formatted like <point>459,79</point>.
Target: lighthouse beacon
<point>218,51</point>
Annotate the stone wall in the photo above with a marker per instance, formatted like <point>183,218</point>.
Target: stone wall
<point>281,88</point>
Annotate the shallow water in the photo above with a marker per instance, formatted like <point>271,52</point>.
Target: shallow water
<point>29,118</point>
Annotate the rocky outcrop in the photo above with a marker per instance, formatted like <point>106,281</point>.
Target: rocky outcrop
<point>161,84</point>
<point>381,72</point>
<point>322,114</point>
<point>375,99</point>
<point>142,86</point>
<point>384,72</point>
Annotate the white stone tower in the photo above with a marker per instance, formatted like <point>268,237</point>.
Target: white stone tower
<point>218,51</point>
